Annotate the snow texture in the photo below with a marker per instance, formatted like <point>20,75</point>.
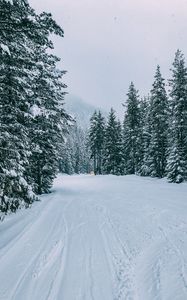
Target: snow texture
<point>9,1</point>
<point>35,110</point>
<point>5,47</point>
<point>98,238</point>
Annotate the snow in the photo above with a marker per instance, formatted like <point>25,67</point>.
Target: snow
<point>35,110</point>
<point>5,47</point>
<point>23,182</point>
<point>11,173</point>
<point>98,238</point>
<point>9,1</point>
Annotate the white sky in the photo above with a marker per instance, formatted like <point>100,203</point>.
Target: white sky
<point>109,43</point>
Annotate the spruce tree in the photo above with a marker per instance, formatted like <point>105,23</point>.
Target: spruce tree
<point>158,126</point>
<point>15,87</point>
<point>119,149</point>
<point>177,159</point>
<point>144,135</point>
<point>113,146</point>
<point>96,140</point>
<point>176,165</point>
<point>92,138</point>
<point>131,132</point>
<point>48,125</point>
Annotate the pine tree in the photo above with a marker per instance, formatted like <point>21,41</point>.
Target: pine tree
<point>177,160</point>
<point>48,125</point>
<point>113,146</point>
<point>96,140</point>
<point>131,132</point>
<point>92,138</point>
<point>144,135</point>
<point>32,117</point>
<point>15,86</point>
<point>119,149</point>
<point>158,124</point>
<point>176,166</point>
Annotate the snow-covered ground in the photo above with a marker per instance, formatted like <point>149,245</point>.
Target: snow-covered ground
<point>98,238</point>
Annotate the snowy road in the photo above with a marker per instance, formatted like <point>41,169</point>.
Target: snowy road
<point>98,238</point>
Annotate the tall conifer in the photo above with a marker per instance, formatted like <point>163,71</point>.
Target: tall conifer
<point>113,146</point>
<point>131,132</point>
<point>158,126</point>
<point>177,160</point>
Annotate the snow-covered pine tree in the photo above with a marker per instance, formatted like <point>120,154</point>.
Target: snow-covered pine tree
<point>96,140</point>
<point>15,87</point>
<point>177,159</point>
<point>92,138</point>
<point>32,118</point>
<point>112,158</point>
<point>100,136</point>
<point>156,155</point>
<point>49,122</point>
<point>145,135</point>
<point>119,149</point>
<point>176,165</point>
<point>131,133</point>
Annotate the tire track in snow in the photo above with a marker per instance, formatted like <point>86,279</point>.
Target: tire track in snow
<point>21,240</point>
<point>36,265</point>
<point>118,254</point>
<point>30,224</point>
<point>171,245</point>
<point>87,269</point>
<point>157,278</point>
<point>57,280</point>
<point>178,253</point>
<point>87,288</point>
<point>46,258</point>
<point>90,267</point>
<point>160,258</point>
<point>56,283</point>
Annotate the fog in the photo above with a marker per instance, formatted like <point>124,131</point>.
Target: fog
<point>109,43</point>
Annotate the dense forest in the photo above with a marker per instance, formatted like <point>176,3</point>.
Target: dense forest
<point>151,140</point>
<point>38,137</point>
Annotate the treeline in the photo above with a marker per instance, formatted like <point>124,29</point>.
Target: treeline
<point>75,153</point>
<point>152,141</point>
<point>32,118</point>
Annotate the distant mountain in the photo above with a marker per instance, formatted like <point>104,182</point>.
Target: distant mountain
<point>80,110</point>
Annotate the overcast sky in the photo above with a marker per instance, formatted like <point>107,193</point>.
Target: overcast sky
<point>109,43</point>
